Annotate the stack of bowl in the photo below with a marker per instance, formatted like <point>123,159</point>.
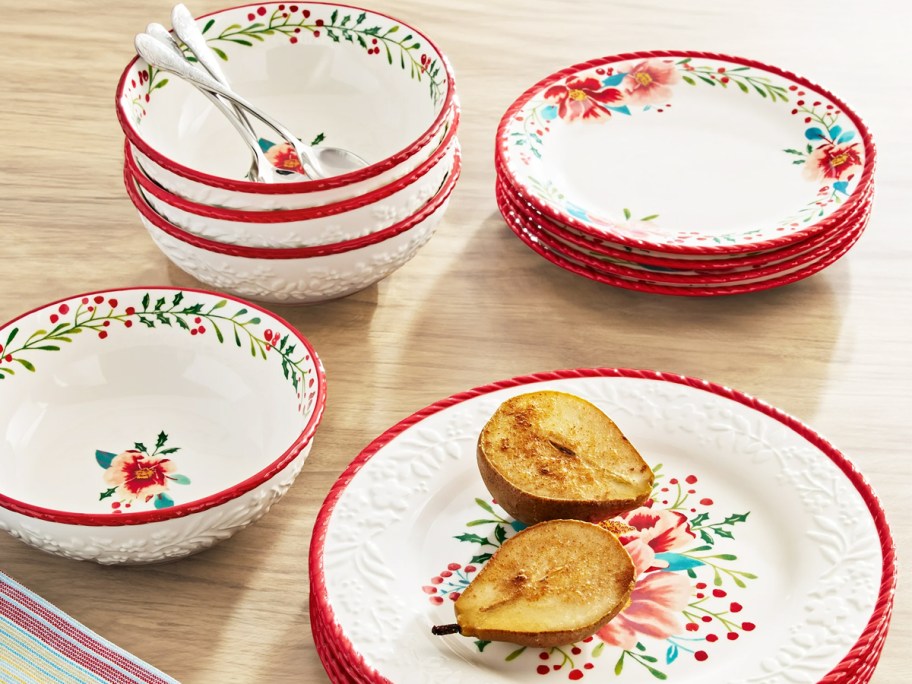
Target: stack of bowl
<point>336,75</point>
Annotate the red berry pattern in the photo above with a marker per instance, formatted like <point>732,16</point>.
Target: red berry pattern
<point>707,622</point>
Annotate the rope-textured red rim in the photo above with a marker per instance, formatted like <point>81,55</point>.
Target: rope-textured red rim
<point>838,244</point>
<point>645,286</point>
<point>199,242</point>
<point>722,263</point>
<point>865,651</point>
<point>500,144</point>
<point>286,215</point>
<point>185,509</point>
<point>307,185</point>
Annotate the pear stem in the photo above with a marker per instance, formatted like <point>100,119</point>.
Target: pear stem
<point>441,630</point>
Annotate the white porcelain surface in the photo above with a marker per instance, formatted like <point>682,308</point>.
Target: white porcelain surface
<point>754,532</point>
<point>353,78</point>
<point>145,424</point>
<point>684,151</point>
<point>346,225</point>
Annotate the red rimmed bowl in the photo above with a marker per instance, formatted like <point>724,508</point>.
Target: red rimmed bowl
<point>327,224</point>
<point>346,76</point>
<point>300,275</point>
<point>145,424</point>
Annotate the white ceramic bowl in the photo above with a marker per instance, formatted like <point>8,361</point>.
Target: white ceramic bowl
<point>324,225</point>
<point>359,79</point>
<point>142,425</point>
<point>300,275</point>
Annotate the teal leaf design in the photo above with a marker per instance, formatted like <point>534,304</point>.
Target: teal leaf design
<point>104,458</point>
<point>814,133</point>
<point>677,562</point>
<point>621,110</point>
<point>179,479</point>
<point>163,501</point>
<point>848,136</point>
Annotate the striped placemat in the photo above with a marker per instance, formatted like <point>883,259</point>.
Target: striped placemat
<point>39,643</point>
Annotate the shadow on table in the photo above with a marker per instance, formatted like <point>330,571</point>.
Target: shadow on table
<point>533,316</point>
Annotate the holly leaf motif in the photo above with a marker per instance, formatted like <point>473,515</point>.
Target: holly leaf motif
<point>700,519</point>
<point>162,438</point>
<point>472,538</point>
<point>139,446</point>
<point>707,537</point>
<point>722,532</point>
<point>736,518</point>
<point>500,534</point>
<point>481,558</point>
<point>108,492</point>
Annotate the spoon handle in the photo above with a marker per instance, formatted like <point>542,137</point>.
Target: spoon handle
<point>162,58</point>
<point>186,29</point>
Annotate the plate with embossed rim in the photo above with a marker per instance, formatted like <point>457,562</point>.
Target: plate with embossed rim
<point>727,271</point>
<point>644,284</point>
<point>839,245</point>
<point>638,258</point>
<point>686,152</point>
<point>770,558</point>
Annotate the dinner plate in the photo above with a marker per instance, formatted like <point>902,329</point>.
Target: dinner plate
<point>839,244</point>
<point>656,261</point>
<point>644,284</point>
<point>764,557</point>
<point>683,151</point>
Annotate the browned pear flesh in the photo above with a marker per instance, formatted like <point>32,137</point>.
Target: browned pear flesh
<point>552,584</point>
<point>547,455</point>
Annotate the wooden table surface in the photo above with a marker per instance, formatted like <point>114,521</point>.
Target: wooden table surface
<point>475,305</point>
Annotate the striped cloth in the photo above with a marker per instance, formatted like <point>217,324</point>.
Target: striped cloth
<point>41,644</point>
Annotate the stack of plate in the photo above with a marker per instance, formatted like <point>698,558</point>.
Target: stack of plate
<point>774,559</point>
<point>684,173</point>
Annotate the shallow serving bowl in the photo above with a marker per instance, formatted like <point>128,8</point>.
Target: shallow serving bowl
<point>299,275</point>
<point>142,425</point>
<point>343,75</point>
<point>307,227</point>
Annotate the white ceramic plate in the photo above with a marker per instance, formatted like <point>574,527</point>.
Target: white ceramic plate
<point>685,151</point>
<point>760,558</point>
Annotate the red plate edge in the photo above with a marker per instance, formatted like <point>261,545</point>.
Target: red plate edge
<point>867,172</point>
<point>867,648</point>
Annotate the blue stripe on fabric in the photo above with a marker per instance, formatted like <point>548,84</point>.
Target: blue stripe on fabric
<point>31,637</point>
<point>81,628</point>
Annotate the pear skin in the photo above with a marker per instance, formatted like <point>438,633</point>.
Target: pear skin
<point>552,584</point>
<point>548,455</point>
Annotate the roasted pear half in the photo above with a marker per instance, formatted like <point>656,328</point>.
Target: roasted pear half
<point>552,584</point>
<point>547,455</point>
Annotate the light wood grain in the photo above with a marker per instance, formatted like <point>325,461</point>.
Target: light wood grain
<point>475,305</point>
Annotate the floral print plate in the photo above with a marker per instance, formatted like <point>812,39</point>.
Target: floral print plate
<point>758,552</point>
<point>686,152</point>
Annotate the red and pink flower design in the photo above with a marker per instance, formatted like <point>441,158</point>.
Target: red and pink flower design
<point>140,476</point>
<point>582,98</point>
<point>831,162</point>
<point>649,82</point>
<point>659,598</point>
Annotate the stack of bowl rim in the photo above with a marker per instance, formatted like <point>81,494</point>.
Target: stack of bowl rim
<point>336,75</point>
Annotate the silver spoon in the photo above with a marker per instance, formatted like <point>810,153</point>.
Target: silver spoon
<point>333,160</point>
<point>261,170</point>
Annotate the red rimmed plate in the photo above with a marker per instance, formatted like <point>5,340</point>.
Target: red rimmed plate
<point>802,573</point>
<point>645,285</point>
<point>837,245</point>
<point>686,152</point>
<point>656,261</point>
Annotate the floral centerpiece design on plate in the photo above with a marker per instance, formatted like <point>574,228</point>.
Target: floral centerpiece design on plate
<point>829,155</point>
<point>685,598</point>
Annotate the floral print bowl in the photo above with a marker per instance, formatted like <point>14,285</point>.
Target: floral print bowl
<point>332,223</point>
<point>334,74</point>
<point>299,275</point>
<point>142,425</point>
